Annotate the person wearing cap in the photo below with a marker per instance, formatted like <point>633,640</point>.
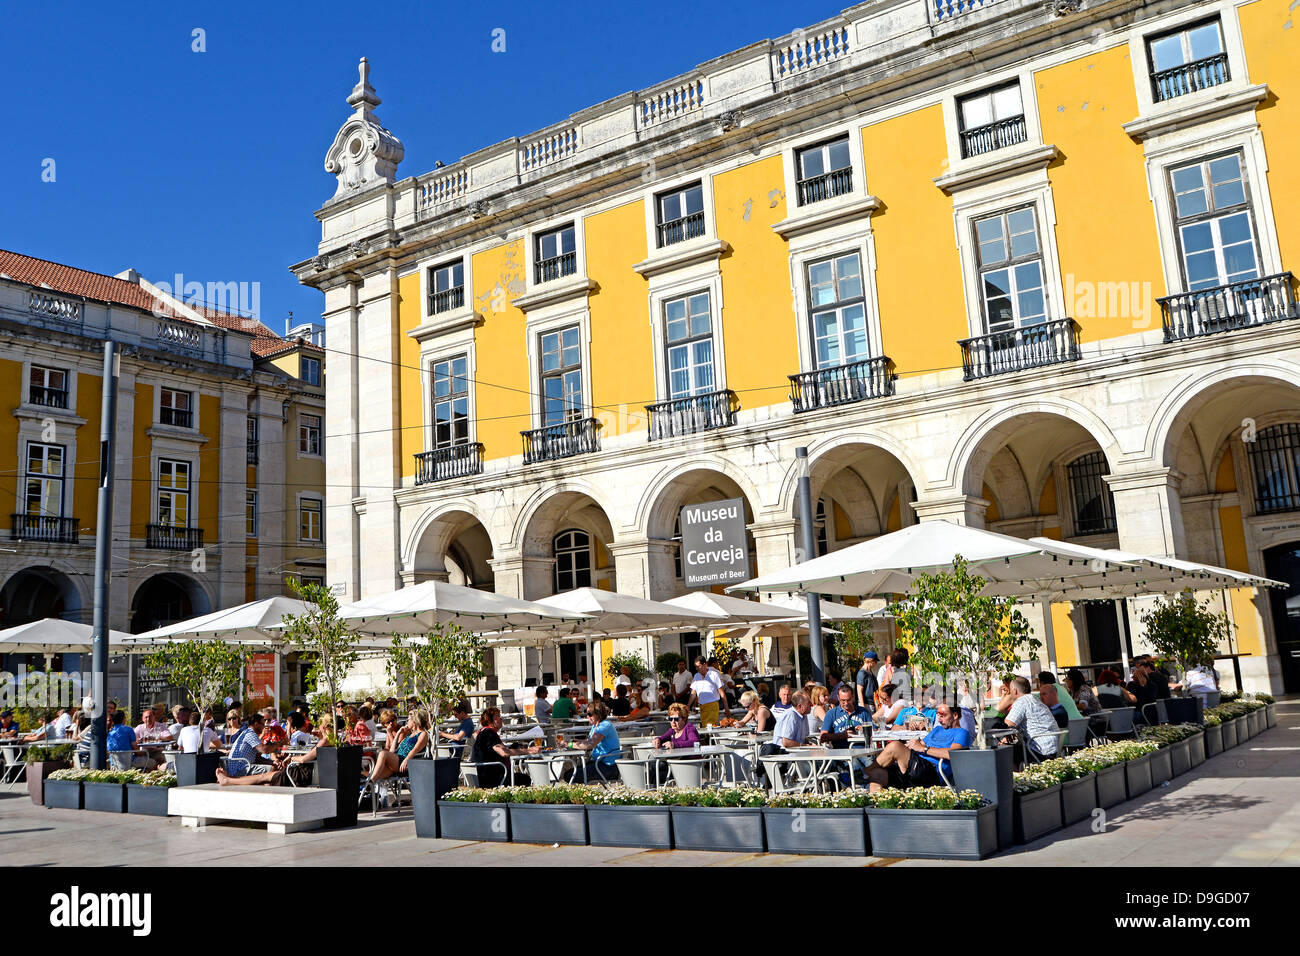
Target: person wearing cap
<point>8,728</point>
<point>867,685</point>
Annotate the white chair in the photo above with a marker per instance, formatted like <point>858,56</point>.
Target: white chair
<point>15,767</point>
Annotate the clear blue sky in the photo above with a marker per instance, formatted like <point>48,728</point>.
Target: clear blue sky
<point>210,164</point>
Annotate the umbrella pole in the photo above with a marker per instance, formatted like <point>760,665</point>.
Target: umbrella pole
<point>1049,632</point>
<point>1123,643</point>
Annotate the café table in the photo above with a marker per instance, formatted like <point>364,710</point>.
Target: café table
<point>820,759</point>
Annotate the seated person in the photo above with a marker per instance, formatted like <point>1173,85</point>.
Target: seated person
<point>1201,680</point>
<point>231,730</point>
<point>842,719</point>
<point>784,700</point>
<point>791,726</point>
<point>916,763</point>
<point>542,706</point>
<point>1048,679</point>
<point>888,708</point>
<point>361,732</point>
<point>122,740</point>
<point>765,693</point>
<point>198,738</point>
<point>1084,699</point>
<point>488,749</point>
<point>602,745</point>
<point>1112,694</point>
<point>681,732</point>
<point>8,726</point>
<point>299,736</point>
<point>756,712</point>
<point>401,744</point>
<point>1047,693</point>
<point>620,706</point>
<point>563,708</point>
<point>638,708</point>
<point>244,766</point>
<point>916,716</point>
<point>272,732</point>
<point>664,697</point>
<point>151,730</point>
<point>1032,719</point>
<point>464,732</point>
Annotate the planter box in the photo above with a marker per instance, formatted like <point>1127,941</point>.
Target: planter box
<point>1111,788</point>
<point>1213,740</point>
<point>1162,767</point>
<point>339,769</point>
<point>1078,799</point>
<point>549,823</point>
<point>65,794</point>
<point>107,797</point>
<point>36,774</point>
<point>649,828</point>
<point>719,828</point>
<point>988,772</point>
<point>1229,730</point>
<point>1270,715</point>
<point>1137,776</point>
<point>1196,746</point>
<point>1258,721</point>
<point>487,822</point>
<point>430,779</point>
<point>824,832</point>
<point>149,801</point>
<point>1037,813</point>
<point>1180,757</point>
<point>934,834</point>
<point>195,769</point>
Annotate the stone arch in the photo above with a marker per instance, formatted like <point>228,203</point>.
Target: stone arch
<point>657,494</point>
<point>454,533</point>
<point>37,592</point>
<point>548,497</point>
<point>862,471</point>
<point>832,449</point>
<point>163,598</point>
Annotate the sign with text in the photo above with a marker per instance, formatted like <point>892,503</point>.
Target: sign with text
<point>260,674</point>
<point>714,549</point>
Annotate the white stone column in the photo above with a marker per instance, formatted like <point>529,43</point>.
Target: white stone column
<point>276,447</point>
<point>526,577</point>
<point>776,547</point>
<point>342,526</point>
<point>643,567</point>
<point>959,509</point>
<point>231,530</point>
<point>1148,512</point>
<point>120,585</point>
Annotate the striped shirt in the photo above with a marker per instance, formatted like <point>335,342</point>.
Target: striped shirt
<point>243,752</point>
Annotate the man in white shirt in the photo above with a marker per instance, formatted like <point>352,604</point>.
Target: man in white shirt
<point>62,724</point>
<point>191,735</point>
<point>706,693</point>
<point>181,720</point>
<point>624,678</point>
<point>682,682</point>
<point>542,706</point>
<point>1032,718</point>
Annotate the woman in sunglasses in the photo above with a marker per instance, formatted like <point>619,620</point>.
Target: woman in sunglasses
<point>681,732</point>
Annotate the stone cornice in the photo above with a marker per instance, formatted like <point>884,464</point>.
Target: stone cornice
<point>999,165</point>
<point>681,255</point>
<point>1197,111</point>
<point>820,215</point>
<point>549,293</point>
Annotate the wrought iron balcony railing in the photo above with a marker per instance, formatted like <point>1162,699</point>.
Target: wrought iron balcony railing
<point>447,300</point>
<point>1190,77</point>
<point>575,437</point>
<point>252,453</point>
<point>556,267</point>
<point>985,139</point>
<point>826,186</point>
<point>49,528</point>
<point>167,537</point>
<point>1013,350</point>
<point>1237,305</point>
<point>452,461</point>
<point>180,417</point>
<point>696,413</point>
<point>679,230</point>
<point>842,384</point>
<point>49,397</point>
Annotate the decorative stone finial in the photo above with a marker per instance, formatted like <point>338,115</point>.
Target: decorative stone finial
<point>364,153</point>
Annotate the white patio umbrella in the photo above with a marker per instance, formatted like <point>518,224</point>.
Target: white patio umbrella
<point>733,610</point>
<point>421,607</point>
<point>609,612</point>
<point>257,622</point>
<point>53,635</point>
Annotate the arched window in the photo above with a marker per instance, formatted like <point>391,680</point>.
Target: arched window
<point>572,560</point>
<point>1094,506</point>
<point>1275,467</point>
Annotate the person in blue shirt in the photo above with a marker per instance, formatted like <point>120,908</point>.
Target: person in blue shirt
<point>928,713</point>
<point>122,739</point>
<point>916,763</point>
<point>841,720</point>
<point>602,743</point>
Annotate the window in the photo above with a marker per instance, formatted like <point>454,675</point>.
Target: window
<point>572,560</point>
<point>450,402</point>
<point>839,325</point>
<point>1275,466</point>
<point>250,510</point>
<point>681,214</point>
<point>251,440</point>
<point>1011,270</point>
<point>819,526</point>
<point>173,493</point>
<point>1187,60</point>
<point>309,520</point>
<point>556,255</point>
<point>561,376</point>
<point>446,287</point>
<point>49,387</point>
<point>176,408</point>
<point>1094,506</point>
<point>991,120</point>
<point>824,171</point>
<point>311,371</point>
<point>44,492</point>
<point>309,434</point>
<point>1215,232</point>
<point>309,579</point>
<point>688,334</point>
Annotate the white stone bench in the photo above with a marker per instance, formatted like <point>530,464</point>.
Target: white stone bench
<point>282,809</point>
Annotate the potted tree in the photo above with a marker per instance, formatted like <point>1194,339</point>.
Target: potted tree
<point>321,632</point>
<point>41,762</point>
<point>964,635</point>
<point>442,665</point>
<point>1189,634</point>
<point>208,671</point>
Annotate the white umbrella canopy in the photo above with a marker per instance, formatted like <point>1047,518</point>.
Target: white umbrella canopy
<point>257,622</point>
<point>53,635</point>
<point>731,609</point>
<point>609,612</point>
<point>833,610</point>
<point>421,607</point>
<point>888,564</point>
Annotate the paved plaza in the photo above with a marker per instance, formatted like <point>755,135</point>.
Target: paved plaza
<point>1240,808</point>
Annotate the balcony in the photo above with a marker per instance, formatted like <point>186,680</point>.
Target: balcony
<point>165,537</point>
<point>1190,77</point>
<point>1237,305</point>
<point>576,437</point>
<point>453,461</point>
<point>985,139</point>
<point>679,230</point>
<point>47,528</point>
<point>48,397</point>
<point>446,301</point>
<point>252,453</point>
<point>837,182</point>
<point>842,384</point>
<point>556,267</point>
<point>1014,350</point>
<point>696,413</point>
<point>179,417</point>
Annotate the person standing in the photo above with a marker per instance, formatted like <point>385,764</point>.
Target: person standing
<point>682,682</point>
<point>866,682</point>
<point>706,694</point>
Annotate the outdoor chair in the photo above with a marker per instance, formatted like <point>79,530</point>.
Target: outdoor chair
<point>14,765</point>
<point>1119,723</point>
<point>737,769</point>
<point>1078,733</point>
<point>637,774</point>
<point>687,773</point>
<point>120,759</point>
<point>1212,698</point>
<point>1155,713</point>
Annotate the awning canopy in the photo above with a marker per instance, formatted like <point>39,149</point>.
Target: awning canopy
<point>54,635</point>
